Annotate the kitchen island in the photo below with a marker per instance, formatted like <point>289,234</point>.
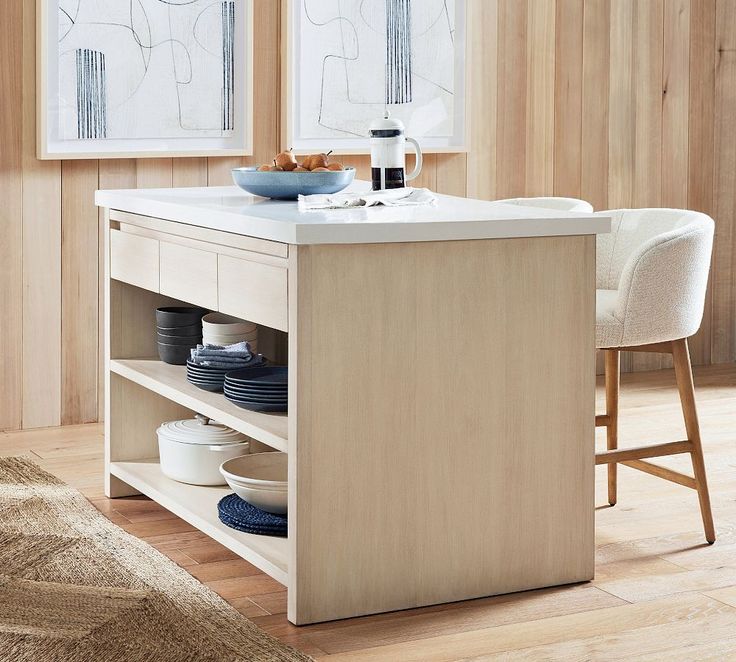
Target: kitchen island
<point>441,386</point>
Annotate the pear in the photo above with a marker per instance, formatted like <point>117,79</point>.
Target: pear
<point>318,160</point>
<point>275,167</point>
<point>299,169</point>
<point>335,166</point>
<point>320,169</point>
<point>264,167</point>
<point>286,160</point>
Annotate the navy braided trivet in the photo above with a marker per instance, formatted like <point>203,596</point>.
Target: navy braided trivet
<point>240,515</point>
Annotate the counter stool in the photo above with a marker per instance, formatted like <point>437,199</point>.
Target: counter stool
<point>651,275</point>
<point>562,204</point>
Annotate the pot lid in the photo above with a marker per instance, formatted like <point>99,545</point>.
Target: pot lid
<point>200,430</point>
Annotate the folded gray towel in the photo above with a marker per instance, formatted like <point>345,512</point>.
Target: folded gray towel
<point>235,365</point>
<point>220,354</point>
<point>235,348</point>
<point>236,355</point>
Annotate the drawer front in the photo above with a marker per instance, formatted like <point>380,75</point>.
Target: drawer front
<point>134,260</point>
<point>189,274</point>
<point>253,291</point>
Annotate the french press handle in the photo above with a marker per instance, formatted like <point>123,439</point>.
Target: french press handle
<point>418,152</point>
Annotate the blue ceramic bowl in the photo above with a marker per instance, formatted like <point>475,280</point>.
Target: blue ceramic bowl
<point>288,185</point>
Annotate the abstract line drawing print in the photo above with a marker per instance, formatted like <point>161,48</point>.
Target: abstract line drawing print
<point>228,61</point>
<point>355,58</point>
<point>132,69</point>
<point>91,99</point>
<point>398,51</point>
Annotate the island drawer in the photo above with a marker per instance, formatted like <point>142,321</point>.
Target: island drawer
<point>134,259</point>
<point>238,282</point>
<point>189,274</point>
<point>253,290</point>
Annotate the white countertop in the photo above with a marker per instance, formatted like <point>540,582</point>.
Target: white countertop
<point>230,209</point>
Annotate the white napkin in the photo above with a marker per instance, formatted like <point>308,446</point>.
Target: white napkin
<point>396,197</point>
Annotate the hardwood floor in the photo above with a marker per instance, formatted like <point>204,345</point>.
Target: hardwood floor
<point>660,592</point>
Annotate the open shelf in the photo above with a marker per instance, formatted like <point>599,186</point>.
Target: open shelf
<point>170,381</point>
<point>198,506</point>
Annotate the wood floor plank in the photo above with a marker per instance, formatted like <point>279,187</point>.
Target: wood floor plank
<point>390,629</point>
<point>272,603</point>
<point>700,629</point>
<point>207,551</point>
<point>550,631</point>
<point>217,570</point>
<point>635,568</point>
<point>247,607</point>
<point>180,558</point>
<point>727,595</point>
<point>713,556</point>
<point>639,589</point>
<point>244,587</point>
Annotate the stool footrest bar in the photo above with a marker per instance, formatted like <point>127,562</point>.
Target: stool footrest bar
<point>639,452</point>
<point>662,472</point>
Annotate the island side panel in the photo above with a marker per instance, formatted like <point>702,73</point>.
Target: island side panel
<point>441,422</point>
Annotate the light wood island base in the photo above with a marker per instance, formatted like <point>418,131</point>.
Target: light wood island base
<point>441,410</point>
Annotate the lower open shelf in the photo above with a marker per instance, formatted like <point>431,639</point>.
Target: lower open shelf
<point>198,506</point>
<point>170,381</point>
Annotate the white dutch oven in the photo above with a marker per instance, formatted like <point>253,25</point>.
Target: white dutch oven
<point>192,451</point>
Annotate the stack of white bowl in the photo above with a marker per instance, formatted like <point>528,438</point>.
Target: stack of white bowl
<point>260,479</point>
<point>221,329</point>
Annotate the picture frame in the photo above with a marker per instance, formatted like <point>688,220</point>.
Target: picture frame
<point>96,64</point>
<point>299,62</point>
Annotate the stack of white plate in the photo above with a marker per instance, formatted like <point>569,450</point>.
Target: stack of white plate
<point>260,479</point>
<point>221,329</point>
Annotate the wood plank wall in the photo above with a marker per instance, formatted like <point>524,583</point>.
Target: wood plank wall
<point>621,102</point>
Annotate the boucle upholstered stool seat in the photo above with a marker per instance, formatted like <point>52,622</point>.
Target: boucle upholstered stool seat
<point>651,275</point>
<point>561,204</point>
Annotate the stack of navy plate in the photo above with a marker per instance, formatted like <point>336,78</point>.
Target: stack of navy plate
<point>206,377</point>
<point>240,515</point>
<point>212,379</point>
<point>258,388</point>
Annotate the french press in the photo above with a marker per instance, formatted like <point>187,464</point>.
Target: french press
<point>388,154</point>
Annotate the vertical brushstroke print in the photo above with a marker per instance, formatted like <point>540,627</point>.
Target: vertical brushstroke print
<point>398,51</point>
<point>91,94</point>
<point>228,63</point>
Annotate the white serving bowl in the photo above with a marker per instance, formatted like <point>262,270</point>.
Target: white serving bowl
<point>192,451</point>
<point>261,481</point>
<point>219,323</point>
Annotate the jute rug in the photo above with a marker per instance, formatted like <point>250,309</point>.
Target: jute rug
<point>74,587</point>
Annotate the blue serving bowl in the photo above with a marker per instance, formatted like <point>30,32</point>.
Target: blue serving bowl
<point>288,185</point>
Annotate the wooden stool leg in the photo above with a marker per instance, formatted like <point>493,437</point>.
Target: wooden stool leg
<point>684,375</point>
<point>612,369</point>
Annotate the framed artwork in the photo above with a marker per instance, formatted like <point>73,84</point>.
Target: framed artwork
<point>348,61</point>
<point>144,78</point>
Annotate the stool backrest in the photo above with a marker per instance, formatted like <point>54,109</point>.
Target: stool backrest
<point>658,260</point>
<point>562,204</point>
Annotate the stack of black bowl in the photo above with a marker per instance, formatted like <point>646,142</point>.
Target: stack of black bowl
<point>178,329</point>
